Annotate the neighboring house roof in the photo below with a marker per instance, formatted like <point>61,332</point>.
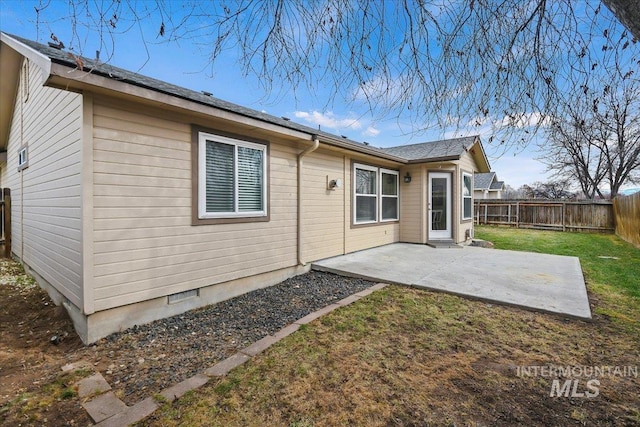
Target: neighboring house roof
<point>483,181</point>
<point>44,55</point>
<point>487,182</point>
<point>498,185</point>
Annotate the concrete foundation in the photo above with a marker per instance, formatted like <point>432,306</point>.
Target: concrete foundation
<point>98,325</point>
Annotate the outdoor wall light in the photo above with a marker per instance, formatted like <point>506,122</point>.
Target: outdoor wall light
<point>335,183</point>
<point>407,178</point>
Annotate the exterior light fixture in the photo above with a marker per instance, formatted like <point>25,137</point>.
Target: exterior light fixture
<point>335,183</point>
<point>407,178</point>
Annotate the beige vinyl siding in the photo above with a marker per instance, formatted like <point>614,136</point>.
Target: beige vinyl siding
<point>413,205</point>
<point>145,245</point>
<point>323,209</point>
<point>46,196</point>
<point>364,237</point>
<point>466,164</point>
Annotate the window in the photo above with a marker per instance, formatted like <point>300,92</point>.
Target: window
<point>231,178</point>
<point>467,194</point>
<point>23,158</point>
<point>375,190</point>
<point>366,189</point>
<point>389,194</point>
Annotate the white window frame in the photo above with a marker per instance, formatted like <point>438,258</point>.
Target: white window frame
<point>397,196</point>
<point>23,158</point>
<point>379,196</point>
<point>357,166</point>
<point>470,196</point>
<point>203,137</point>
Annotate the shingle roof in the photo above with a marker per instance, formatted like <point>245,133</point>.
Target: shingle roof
<point>498,185</point>
<point>67,58</point>
<point>483,181</point>
<point>445,149</point>
<point>429,151</point>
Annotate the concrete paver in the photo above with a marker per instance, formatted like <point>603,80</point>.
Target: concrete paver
<point>178,390</point>
<point>259,346</point>
<point>222,368</point>
<point>132,414</point>
<point>286,331</point>
<point>94,384</point>
<point>104,406</point>
<point>316,314</point>
<point>549,283</point>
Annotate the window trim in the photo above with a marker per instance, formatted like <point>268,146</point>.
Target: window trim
<point>463,197</point>
<point>198,135</point>
<point>397,196</point>
<point>23,163</point>
<point>379,196</point>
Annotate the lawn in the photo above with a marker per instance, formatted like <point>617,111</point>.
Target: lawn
<point>404,356</point>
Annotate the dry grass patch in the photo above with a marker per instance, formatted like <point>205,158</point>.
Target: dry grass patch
<point>410,357</point>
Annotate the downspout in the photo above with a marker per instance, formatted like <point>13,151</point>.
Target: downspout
<point>316,143</point>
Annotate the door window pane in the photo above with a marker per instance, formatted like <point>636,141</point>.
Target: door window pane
<point>439,204</point>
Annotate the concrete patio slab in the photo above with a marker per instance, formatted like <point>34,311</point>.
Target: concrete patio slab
<point>549,283</point>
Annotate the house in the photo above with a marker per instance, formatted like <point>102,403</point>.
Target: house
<point>134,199</point>
<point>487,186</point>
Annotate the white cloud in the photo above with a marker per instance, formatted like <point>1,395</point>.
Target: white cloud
<point>328,120</point>
<point>525,120</point>
<point>371,131</point>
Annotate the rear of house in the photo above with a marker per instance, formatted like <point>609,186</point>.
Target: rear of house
<point>134,200</point>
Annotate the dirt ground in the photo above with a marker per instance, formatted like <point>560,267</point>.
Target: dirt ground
<point>29,361</point>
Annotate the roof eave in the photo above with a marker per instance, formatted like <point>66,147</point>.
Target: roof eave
<point>11,54</point>
<point>484,154</point>
<point>62,73</point>
<point>435,159</point>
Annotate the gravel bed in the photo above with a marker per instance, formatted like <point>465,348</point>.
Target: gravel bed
<point>144,360</point>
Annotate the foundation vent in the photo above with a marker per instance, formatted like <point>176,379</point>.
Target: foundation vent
<point>181,296</point>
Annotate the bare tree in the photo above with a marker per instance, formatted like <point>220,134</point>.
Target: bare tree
<point>503,64</point>
<point>549,190</point>
<point>596,142</point>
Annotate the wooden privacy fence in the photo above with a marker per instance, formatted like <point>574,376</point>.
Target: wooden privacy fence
<point>626,210</point>
<point>595,216</point>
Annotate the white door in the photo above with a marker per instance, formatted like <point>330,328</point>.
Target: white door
<point>439,206</point>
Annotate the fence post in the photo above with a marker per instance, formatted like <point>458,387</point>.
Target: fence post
<point>486,205</point>
<point>517,214</point>
<point>564,211</point>
<point>6,196</point>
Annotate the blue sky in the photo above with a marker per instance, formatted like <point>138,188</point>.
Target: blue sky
<point>185,64</point>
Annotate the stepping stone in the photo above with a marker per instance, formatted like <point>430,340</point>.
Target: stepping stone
<point>132,414</point>
<point>104,406</point>
<point>95,384</point>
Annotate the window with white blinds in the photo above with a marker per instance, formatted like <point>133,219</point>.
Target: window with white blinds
<point>233,173</point>
<point>375,194</point>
